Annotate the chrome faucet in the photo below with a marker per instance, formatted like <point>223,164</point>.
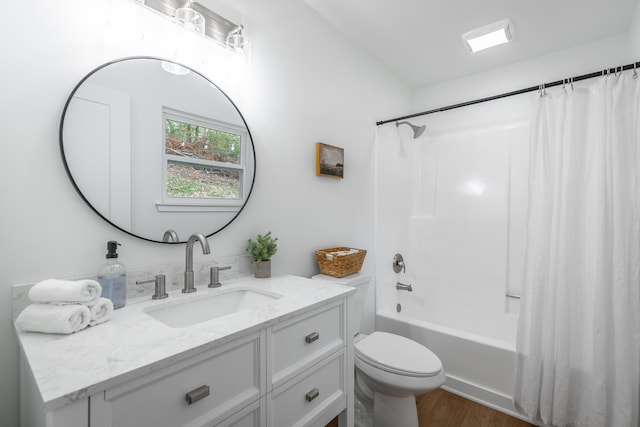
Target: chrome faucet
<point>188,272</point>
<point>403,287</point>
<point>170,236</point>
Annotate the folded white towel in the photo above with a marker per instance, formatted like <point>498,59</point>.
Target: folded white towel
<point>65,291</point>
<point>101,311</point>
<point>330,255</point>
<point>53,319</point>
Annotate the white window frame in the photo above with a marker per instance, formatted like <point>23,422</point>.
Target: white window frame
<point>180,204</point>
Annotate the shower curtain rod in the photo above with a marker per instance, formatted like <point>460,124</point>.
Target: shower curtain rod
<point>607,71</point>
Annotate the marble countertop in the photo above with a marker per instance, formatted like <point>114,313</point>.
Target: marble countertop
<point>67,368</point>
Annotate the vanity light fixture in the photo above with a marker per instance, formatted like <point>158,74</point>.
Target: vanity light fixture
<point>236,41</point>
<point>488,36</point>
<point>193,15</point>
<point>190,19</point>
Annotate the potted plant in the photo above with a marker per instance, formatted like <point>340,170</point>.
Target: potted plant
<point>261,250</point>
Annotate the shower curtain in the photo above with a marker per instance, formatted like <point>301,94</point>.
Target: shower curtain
<point>578,347</point>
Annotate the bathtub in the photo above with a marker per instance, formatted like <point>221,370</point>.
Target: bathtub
<point>478,367</point>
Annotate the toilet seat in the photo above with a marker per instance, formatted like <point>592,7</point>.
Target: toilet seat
<point>398,355</point>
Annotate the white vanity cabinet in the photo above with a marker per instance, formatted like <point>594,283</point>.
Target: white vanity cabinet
<point>308,368</point>
<point>293,370</point>
<point>199,391</point>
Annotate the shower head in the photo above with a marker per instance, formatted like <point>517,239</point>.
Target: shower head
<point>417,130</point>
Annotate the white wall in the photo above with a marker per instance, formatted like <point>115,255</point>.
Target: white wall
<point>634,35</point>
<point>304,85</point>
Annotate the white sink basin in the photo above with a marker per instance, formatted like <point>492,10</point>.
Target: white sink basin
<point>202,308</point>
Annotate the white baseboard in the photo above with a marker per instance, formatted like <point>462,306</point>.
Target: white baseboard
<point>492,399</point>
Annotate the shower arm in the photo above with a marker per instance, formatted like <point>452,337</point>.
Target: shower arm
<point>417,130</point>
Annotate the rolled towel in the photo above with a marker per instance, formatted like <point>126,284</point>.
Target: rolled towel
<point>53,319</point>
<point>101,311</point>
<point>55,291</point>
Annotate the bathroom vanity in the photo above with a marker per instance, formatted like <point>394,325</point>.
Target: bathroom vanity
<point>279,354</point>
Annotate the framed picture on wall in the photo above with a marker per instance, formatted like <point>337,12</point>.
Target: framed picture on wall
<point>329,160</point>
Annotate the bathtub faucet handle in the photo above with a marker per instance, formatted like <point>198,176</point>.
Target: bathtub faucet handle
<point>403,287</point>
<point>398,264</point>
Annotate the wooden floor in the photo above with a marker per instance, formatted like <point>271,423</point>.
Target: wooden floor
<point>443,409</point>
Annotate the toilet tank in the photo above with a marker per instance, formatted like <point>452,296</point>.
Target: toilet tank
<point>357,280</point>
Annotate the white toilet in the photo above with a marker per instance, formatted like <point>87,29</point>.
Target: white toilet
<point>390,369</point>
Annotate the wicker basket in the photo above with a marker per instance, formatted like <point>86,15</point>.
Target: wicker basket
<point>340,265</point>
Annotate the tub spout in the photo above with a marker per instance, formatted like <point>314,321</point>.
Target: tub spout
<point>403,287</point>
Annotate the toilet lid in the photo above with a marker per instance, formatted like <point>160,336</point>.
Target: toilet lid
<point>397,354</point>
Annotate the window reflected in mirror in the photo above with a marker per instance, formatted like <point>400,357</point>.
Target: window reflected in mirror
<point>203,159</point>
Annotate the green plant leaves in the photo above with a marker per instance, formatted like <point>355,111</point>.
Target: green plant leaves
<point>263,248</point>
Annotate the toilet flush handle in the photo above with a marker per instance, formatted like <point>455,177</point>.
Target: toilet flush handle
<point>398,264</point>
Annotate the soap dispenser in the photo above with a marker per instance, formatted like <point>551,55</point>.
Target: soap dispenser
<point>112,276</point>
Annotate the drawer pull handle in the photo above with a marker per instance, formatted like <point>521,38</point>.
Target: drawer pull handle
<point>312,394</point>
<point>199,393</point>
<point>314,336</point>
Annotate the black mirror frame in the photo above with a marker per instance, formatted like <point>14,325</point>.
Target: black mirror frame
<point>75,185</point>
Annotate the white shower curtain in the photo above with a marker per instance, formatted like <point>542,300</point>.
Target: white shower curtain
<point>578,348</point>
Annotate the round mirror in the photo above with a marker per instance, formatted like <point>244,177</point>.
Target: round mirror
<point>157,150</point>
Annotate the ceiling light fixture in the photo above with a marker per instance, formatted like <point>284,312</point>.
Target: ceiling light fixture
<point>488,36</point>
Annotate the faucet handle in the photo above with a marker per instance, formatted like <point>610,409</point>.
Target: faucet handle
<point>161,287</point>
<point>398,264</point>
<point>214,276</point>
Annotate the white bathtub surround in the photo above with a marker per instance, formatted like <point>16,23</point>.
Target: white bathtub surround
<point>453,204</point>
<point>579,331</point>
<point>117,351</point>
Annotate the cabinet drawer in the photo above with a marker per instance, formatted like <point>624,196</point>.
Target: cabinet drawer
<point>218,384</point>
<point>302,341</point>
<point>251,416</point>
<point>317,395</point>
